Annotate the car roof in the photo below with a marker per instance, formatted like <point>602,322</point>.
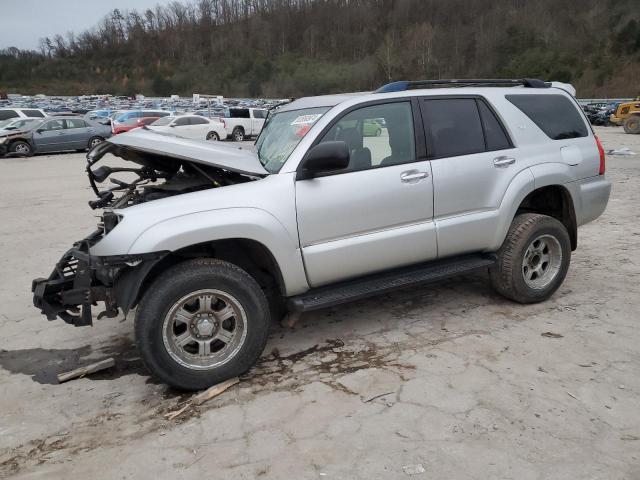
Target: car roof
<point>333,100</point>
<point>320,101</point>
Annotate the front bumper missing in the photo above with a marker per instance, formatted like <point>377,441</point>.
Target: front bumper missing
<point>80,280</point>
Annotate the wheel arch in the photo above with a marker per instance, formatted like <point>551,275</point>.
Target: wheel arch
<point>252,256</point>
<point>555,201</point>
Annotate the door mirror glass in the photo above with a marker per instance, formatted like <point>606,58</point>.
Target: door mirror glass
<point>324,158</point>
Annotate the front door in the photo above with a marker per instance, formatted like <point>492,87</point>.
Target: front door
<point>378,213</point>
<point>50,137</point>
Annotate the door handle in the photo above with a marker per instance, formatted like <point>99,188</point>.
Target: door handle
<point>501,162</point>
<point>412,176</point>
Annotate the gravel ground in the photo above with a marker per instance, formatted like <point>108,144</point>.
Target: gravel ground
<point>448,381</point>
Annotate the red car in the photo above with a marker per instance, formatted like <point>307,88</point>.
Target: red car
<point>131,124</point>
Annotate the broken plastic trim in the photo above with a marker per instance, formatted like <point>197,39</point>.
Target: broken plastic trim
<point>80,280</point>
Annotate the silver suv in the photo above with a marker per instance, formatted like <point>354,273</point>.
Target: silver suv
<point>345,196</point>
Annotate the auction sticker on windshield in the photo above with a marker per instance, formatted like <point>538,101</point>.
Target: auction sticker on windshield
<point>306,119</point>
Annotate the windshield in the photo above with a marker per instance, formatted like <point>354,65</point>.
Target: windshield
<point>282,133</point>
<point>22,124</point>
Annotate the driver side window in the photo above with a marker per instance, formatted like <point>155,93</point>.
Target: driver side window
<point>377,136</point>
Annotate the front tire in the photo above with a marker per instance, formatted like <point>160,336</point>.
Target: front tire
<point>533,260</point>
<point>20,147</point>
<point>201,322</point>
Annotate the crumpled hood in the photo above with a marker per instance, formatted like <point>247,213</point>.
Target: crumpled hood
<point>232,158</point>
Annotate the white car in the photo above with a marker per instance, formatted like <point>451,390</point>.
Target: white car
<point>191,126</point>
<point>7,113</point>
<point>243,123</point>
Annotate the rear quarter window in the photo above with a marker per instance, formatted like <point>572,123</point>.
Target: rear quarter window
<point>33,113</point>
<point>555,115</point>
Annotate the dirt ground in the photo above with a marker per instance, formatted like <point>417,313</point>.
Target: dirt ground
<point>447,381</point>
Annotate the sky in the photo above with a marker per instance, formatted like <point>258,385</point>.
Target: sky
<point>24,22</point>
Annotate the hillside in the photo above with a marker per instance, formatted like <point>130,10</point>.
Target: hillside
<point>284,48</point>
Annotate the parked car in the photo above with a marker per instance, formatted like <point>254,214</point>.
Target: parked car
<point>98,114</point>
<point>6,113</point>
<point>53,134</point>
<point>471,178</point>
<point>122,117</point>
<point>191,126</point>
<point>243,123</point>
<point>133,123</point>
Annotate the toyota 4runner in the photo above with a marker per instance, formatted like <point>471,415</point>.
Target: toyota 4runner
<point>207,242</point>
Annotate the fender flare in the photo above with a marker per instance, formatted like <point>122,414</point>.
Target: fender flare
<point>538,176</point>
<point>224,224</point>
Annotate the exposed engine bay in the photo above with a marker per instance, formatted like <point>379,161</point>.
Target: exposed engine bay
<point>161,166</point>
<point>158,176</point>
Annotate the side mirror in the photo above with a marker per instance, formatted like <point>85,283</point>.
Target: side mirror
<point>172,125</point>
<point>40,130</point>
<point>323,158</point>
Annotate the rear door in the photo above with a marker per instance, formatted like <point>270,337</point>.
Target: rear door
<point>473,162</point>
<point>181,127</point>
<point>199,127</point>
<point>77,133</point>
<point>378,213</point>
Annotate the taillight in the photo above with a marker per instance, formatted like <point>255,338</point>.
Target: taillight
<point>602,159</point>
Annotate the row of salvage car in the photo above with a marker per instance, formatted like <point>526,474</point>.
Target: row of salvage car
<point>23,135</point>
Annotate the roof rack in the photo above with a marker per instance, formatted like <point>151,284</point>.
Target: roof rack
<point>510,82</point>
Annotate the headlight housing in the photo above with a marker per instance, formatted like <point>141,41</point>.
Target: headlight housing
<point>110,220</point>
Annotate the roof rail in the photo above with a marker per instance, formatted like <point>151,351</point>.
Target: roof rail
<point>511,82</point>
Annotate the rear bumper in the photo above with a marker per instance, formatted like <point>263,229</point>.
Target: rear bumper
<point>593,194</point>
<point>81,280</point>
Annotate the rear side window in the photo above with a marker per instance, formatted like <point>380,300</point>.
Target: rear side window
<point>239,113</point>
<point>494,134</point>
<point>33,113</point>
<point>556,115</point>
<point>75,123</point>
<point>5,114</point>
<point>259,114</point>
<point>198,120</point>
<point>453,127</point>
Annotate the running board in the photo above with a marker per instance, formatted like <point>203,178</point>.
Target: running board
<point>375,284</point>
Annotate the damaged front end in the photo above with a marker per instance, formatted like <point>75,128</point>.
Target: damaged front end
<point>163,166</point>
<point>80,280</point>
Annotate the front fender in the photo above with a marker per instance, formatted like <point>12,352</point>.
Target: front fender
<point>231,223</point>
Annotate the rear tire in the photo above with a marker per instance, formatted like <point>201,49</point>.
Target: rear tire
<point>213,136</point>
<point>238,134</point>
<point>533,260</point>
<point>94,141</point>
<point>175,321</point>
<point>632,124</point>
